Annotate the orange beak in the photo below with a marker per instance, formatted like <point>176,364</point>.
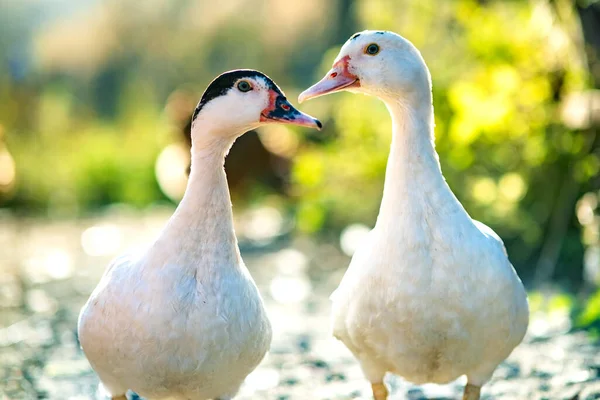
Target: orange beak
<point>338,78</point>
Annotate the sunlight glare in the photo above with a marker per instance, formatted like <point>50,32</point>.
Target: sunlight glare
<point>101,240</point>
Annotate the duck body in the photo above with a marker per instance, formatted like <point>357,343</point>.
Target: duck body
<point>431,295</point>
<point>183,319</point>
<point>174,336</point>
<point>431,305</point>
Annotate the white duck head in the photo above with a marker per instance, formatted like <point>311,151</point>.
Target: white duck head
<point>240,100</point>
<point>377,63</point>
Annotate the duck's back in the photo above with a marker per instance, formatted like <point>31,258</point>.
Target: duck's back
<point>433,305</point>
<point>168,334</point>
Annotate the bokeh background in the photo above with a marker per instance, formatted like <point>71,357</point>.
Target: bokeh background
<point>95,102</point>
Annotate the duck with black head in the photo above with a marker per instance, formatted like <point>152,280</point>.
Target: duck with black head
<point>183,319</point>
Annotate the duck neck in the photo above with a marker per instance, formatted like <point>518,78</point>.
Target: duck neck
<point>413,181</point>
<point>202,226</point>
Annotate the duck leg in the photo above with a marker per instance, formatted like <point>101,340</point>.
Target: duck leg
<point>471,392</point>
<point>379,391</point>
<point>374,373</point>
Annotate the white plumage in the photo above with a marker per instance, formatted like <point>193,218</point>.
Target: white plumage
<point>183,319</point>
<point>431,295</point>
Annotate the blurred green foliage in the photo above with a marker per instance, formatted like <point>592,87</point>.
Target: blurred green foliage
<point>589,315</point>
<point>84,85</point>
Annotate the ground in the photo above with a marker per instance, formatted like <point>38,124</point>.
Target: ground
<point>47,270</point>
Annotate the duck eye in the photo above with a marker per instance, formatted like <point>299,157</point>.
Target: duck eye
<point>372,49</point>
<point>244,86</point>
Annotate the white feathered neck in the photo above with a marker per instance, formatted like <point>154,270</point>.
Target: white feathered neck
<point>414,185</point>
<point>202,226</point>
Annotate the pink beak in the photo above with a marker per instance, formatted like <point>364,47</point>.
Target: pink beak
<point>337,79</point>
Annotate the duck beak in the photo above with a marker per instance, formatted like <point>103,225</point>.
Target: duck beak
<point>337,79</point>
<point>281,111</point>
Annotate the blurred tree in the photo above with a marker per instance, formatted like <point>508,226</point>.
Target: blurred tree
<point>562,215</point>
<point>589,312</point>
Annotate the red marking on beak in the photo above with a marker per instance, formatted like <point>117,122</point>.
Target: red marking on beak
<point>271,107</point>
<point>281,111</point>
<point>342,63</point>
<point>339,78</point>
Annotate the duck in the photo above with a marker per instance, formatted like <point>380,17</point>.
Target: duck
<point>182,319</point>
<point>430,295</point>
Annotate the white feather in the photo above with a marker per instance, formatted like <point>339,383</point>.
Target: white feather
<point>431,295</point>
<point>183,319</point>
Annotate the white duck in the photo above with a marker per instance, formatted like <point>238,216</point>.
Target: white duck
<point>184,320</point>
<point>431,294</point>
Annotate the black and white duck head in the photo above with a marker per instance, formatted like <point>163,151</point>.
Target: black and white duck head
<point>377,63</point>
<point>241,100</point>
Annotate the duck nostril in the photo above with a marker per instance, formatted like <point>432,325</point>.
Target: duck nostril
<point>285,107</point>
<point>333,74</point>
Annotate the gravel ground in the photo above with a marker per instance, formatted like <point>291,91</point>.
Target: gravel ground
<point>48,269</point>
